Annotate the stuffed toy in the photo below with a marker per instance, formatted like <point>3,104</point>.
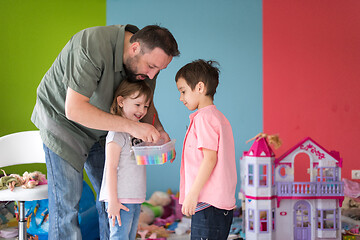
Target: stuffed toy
<point>28,180</point>
<point>150,210</point>
<point>11,181</point>
<point>153,208</point>
<point>172,212</point>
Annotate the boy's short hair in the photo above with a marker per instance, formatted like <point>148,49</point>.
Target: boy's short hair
<point>201,71</point>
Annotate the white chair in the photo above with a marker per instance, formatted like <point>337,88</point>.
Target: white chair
<point>22,148</point>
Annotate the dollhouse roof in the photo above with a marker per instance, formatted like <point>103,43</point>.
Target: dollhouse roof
<point>260,148</point>
<point>312,146</point>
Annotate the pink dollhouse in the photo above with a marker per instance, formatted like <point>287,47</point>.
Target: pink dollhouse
<point>296,196</point>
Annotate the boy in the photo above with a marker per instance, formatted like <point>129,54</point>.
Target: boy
<point>208,170</point>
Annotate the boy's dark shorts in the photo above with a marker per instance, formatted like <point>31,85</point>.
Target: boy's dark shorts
<point>211,224</point>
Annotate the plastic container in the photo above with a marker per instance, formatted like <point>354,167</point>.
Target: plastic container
<point>150,154</point>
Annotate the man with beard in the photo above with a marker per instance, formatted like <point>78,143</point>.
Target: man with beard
<point>72,111</point>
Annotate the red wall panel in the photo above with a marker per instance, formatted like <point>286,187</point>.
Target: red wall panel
<point>311,67</point>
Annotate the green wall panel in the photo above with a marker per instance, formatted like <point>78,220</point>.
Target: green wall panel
<point>32,33</point>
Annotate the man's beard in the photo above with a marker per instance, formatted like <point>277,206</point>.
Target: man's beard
<point>130,74</point>
<point>132,77</point>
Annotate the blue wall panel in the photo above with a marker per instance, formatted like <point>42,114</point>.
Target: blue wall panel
<point>229,32</point>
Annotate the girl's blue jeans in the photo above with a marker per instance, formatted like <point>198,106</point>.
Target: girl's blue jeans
<point>129,223</point>
<point>65,189</point>
<point>211,224</point>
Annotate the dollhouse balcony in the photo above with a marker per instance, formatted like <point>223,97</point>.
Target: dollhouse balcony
<point>310,189</point>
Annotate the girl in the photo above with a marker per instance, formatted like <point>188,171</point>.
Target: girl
<point>123,188</point>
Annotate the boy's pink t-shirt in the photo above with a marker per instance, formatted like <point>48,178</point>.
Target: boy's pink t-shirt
<point>210,129</point>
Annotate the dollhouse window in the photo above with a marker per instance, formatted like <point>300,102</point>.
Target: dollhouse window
<point>273,175</point>
<point>263,220</point>
<point>273,219</point>
<point>263,174</point>
<point>251,219</point>
<point>282,171</point>
<point>250,174</point>
<point>326,174</point>
<point>328,219</point>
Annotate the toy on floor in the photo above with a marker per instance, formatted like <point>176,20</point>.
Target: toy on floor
<point>150,210</point>
<point>154,233</point>
<point>183,226</point>
<point>350,209</point>
<point>153,208</point>
<point>277,192</point>
<point>355,230</point>
<point>351,233</point>
<point>159,212</point>
<point>172,212</point>
<point>28,180</point>
<point>236,226</point>
<point>161,209</point>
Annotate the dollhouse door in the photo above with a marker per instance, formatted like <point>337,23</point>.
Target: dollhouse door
<point>302,228</point>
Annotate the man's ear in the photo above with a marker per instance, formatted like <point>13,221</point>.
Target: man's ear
<point>135,48</point>
<point>120,101</point>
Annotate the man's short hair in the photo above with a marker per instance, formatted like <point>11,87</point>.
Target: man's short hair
<point>153,36</point>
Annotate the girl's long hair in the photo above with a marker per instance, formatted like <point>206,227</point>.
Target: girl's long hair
<point>126,89</point>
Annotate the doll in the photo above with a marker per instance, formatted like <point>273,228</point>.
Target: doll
<point>272,139</point>
<point>33,179</point>
<point>11,181</point>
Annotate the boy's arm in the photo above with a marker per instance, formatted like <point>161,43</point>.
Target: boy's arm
<point>207,165</point>
<point>112,160</point>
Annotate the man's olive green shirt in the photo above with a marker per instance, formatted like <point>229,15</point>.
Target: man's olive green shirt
<point>91,63</point>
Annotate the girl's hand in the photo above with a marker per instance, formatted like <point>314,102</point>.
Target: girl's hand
<point>189,205</point>
<point>114,211</point>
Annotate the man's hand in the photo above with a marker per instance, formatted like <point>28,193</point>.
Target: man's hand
<point>164,136</point>
<point>144,131</point>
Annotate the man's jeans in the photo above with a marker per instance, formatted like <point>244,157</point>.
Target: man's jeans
<point>65,188</point>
